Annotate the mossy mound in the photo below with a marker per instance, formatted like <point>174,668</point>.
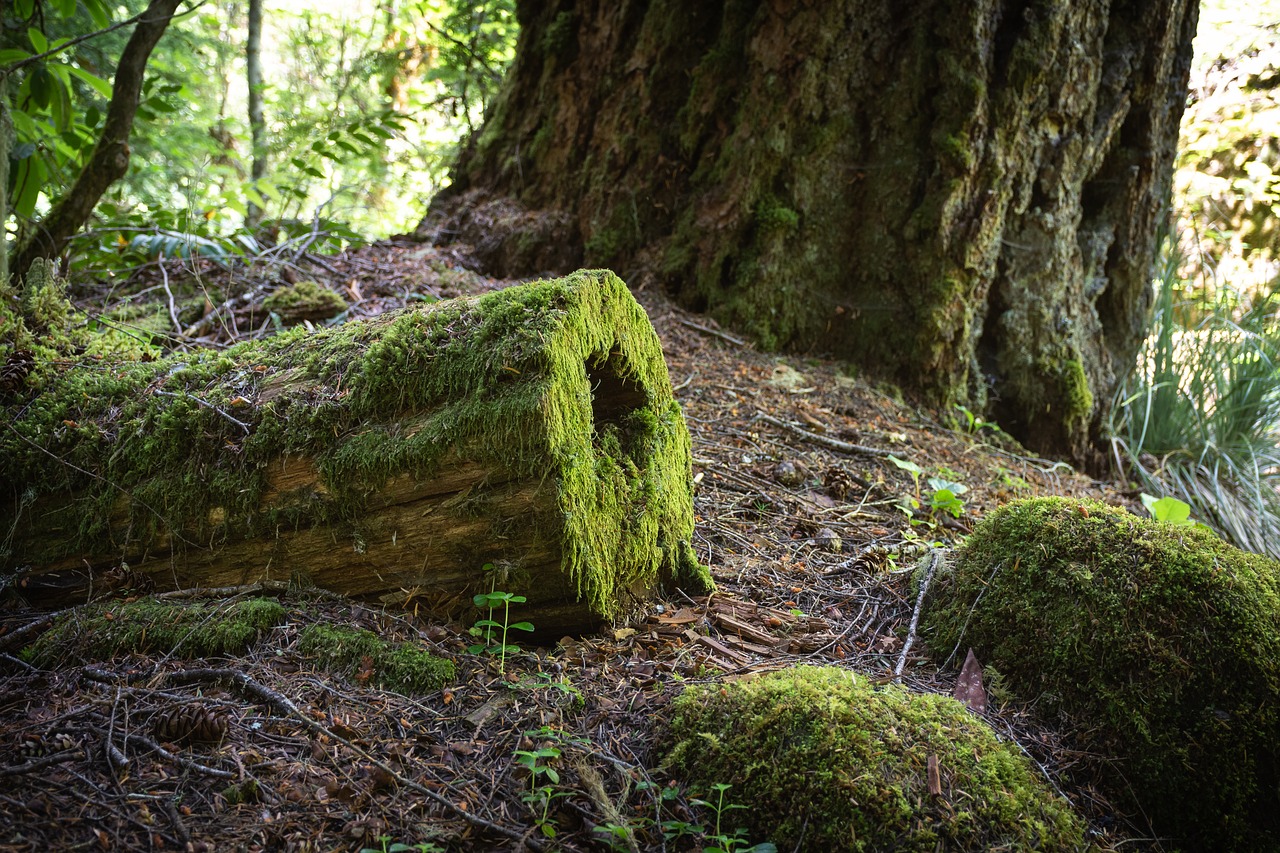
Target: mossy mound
<point>402,667</point>
<point>1158,645</point>
<point>306,300</point>
<point>824,760</point>
<point>102,631</point>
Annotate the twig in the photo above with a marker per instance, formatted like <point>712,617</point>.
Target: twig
<point>283,704</point>
<point>833,443</point>
<point>710,331</point>
<point>244,426</point>
<point>40,763</point>
<point>173,308</point>
<point>935,560</point>
<point>178,759</point>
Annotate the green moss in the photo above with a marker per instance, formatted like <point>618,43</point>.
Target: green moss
<point>103,631</point>
<point>1158,645</point>
<point>822,755</point>
<point>772,215</point>
<point>306,300</point>
<point>507,380</point>
<point>559,34</point>
<point>403,667</point>
<point>1079,399</point>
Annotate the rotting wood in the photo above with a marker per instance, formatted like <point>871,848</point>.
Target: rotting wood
<point>532,429</point>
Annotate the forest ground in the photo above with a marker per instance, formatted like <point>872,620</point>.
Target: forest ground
<point>799,516</point>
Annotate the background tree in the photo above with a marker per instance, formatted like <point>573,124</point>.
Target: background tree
<point>109,159</point>
<point>257,126</point>
<point>962,197</point>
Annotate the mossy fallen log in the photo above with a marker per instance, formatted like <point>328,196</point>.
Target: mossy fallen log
<point>533,430</point>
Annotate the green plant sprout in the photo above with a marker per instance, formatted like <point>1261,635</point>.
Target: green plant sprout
<point>488,628</point>
<point>399,847</point>
<point>721,841</point>
<point>946,496</point>
<point>1170,510</point>
<point>542,779</point>
<point>975,424</point>
<point>911,468</point>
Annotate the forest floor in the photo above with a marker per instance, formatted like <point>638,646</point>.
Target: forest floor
<point>802,517</point>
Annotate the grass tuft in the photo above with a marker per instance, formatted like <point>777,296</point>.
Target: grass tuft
<point>1199,418</point>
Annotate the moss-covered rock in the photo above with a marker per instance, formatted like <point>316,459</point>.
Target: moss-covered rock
<point>1158,645</point>
<point>403,667</point>
<point>102,631</point>
<point>825,760</point>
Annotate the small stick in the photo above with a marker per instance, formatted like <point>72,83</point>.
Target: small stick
<point>710,331</point>
<point>241,424</point>
<point>833,443</point>
<point>935,560</point>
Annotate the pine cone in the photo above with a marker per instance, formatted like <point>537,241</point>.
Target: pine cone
<point>192,723</point>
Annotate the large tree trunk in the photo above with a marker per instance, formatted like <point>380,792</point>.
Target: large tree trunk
<point>533,429</point>
<point>961,197</point>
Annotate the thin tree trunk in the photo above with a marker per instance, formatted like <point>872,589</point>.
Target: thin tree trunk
<point>257,126</point>
<point>110,158</point>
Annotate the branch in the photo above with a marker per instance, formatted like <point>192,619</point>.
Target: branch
<point>110,158</point>
<point>53,51</point>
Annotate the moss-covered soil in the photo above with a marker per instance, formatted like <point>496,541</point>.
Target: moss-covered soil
<point>331,741</point>
<point>1157,645</point>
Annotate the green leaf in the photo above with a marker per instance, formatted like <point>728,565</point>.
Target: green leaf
<point>29,178</point>
<point>37,39</point>
<point>907,465</point>
<point>13,54</point>
<point>23,9</point>
<point>97,10</point>
<point>102,87</point>
<point>521,626</point>
<point>65,8</point>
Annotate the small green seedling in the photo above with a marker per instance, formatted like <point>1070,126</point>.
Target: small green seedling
<point>489,628</point>
<point>543,778</point>
<point>946,496</point>
<point>722,841</point>
<point>911,468</point>
<point>1170,510</point>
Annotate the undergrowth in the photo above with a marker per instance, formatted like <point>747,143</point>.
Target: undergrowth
<point>1199,417</point>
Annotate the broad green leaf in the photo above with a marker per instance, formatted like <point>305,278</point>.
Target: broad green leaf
<point>102,87</point>
<point>29,180</point>
<point>939,484</point>
<point>37,39</point>
<point>98,11</point>
<point>12,55</point>
<point>65,8</point>
<point>23,9</point>
<point>907,465</point>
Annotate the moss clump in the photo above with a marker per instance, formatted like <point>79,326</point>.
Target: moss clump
<point>820,754</point>
<point>402,667</point>
<point>1159,645</point>
<point>306,300</point>
<point>102,631</point>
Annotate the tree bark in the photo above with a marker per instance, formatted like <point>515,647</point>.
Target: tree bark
<point>960,197</point>
<point>533,429</point>
<point>110,158</point>
<point>257,126</point>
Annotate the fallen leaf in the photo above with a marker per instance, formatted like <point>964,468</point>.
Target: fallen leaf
<point>969,689</point>
<point>934,776</point>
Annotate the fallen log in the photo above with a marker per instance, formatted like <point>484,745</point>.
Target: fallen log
<point>532,430</point>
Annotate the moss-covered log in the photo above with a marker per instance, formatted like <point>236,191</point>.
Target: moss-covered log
<point>533,429</point>
<point>961,196</point>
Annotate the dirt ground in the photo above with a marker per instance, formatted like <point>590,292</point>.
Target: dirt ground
<point>802,516</point>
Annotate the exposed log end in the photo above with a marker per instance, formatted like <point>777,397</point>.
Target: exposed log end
<point>533,429</point>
